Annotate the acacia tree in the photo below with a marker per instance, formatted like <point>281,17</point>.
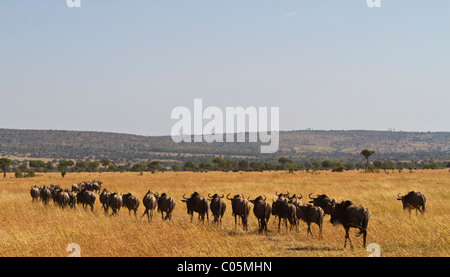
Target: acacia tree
<point>284,161</point>
<point>367,153</point>
<point>4,165</point>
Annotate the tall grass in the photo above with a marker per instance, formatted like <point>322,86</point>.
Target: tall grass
<point>30,229</point>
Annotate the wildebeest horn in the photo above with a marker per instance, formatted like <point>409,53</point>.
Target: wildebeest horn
<point>301,196</point>
<point>265,197</point>
<point>242,196</point>
<point>185,197</point>
<point>209,196</point>
<point>310,196</point>
<point>156,194</point>
<point>229,198</point>
<point>221,196</point>
<point>277,193</point>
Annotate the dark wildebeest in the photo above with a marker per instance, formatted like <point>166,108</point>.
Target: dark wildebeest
<point>240,207</point>
<point>218,207</point>
<point>351,216</point>
<point>115,202</point>
<point>104,199</point>
<point>283,209</point>
<point>55,190</point>
<point>282,196</point>
<point>262,211</point>
<point>72,199</point>
<point>131,202</point>
<point>96,185</point>
<point>150,202</point>
<point>62,198</point>
<point>35,193</point>
<point>77,187</point>
<point>324,202</point>
<point>166,204</point>
<point>87,198</point>
<point>294,199</point>
<point>311,214</point>
<point>197,204</point>
<point>45,195</point>
<point>413,200</point>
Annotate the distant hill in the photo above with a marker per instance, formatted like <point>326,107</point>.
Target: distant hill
<point>299,145</point>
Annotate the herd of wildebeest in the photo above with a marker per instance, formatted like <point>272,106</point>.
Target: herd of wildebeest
<point>287,207</point>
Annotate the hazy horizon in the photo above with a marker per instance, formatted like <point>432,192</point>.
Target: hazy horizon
<point>123,66</point>
<point>168,135</point>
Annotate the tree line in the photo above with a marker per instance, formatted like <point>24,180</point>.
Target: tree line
<point>29,168</point>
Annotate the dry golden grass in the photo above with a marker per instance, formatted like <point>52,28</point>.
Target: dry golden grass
<point>30,229</point>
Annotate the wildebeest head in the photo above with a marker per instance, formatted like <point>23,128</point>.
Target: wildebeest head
<point>282,196</point>
<point>324,202</point>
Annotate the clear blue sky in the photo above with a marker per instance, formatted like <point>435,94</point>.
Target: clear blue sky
<point>122,66</point>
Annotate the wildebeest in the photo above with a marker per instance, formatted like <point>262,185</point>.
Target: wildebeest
<point>240,207</point>
<point>77,187</point>
<point>282,196</point>
<point>87,198</point>
<point>150,202</point>
<point>198,204</point>
<point>218,207</point>
<point>45,195</point>
<point>311,214</point>
<point>351,216</point>
<point>166,204</point>
<point>131,202</point>
<point>294,199</point>
<point>285,210</point>
<point>115,202</point>
<point>62,198</point>
<point>94,186</point>
<point>35,193</point>
<point>104,199</point>
<point>262,211</point>
<point>413,200</point>
<point>324,202</point>
<point>72,199</point>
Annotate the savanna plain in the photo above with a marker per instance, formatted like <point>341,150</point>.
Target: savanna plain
<point>29,229</point>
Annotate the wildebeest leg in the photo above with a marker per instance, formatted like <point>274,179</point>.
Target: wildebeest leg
<point>364,231</point>
<point>347,236</point>
<point>320,231</point>
<point>309,230</point>
<point>135,211</point>
<point>92,207</point>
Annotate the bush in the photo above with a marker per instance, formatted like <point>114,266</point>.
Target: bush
<point>18,173</point>
<point>30,173</point>
<point>338,169</point>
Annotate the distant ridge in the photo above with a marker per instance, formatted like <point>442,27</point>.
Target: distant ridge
<point>299,145</point>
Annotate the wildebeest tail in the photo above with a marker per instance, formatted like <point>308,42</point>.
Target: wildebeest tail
<point>365,222</point>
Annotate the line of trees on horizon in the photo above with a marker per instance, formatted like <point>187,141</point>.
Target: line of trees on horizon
<point>28,168</point>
